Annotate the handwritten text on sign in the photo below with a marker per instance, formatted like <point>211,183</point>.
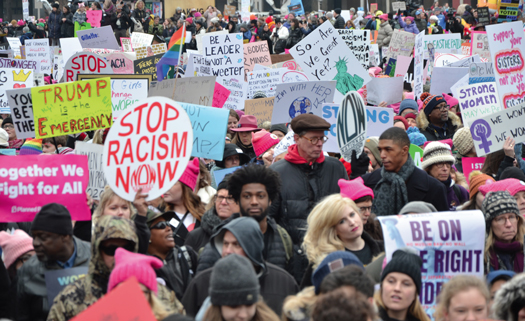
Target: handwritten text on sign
<point>97,180</point>
<point>126,92</point>
<point>13,78</point>
<point>478,100</point>
<point>22,112</point>
<point>359,42</point>
<point>38,50</point>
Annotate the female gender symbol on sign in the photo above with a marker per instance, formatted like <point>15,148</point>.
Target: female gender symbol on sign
<point>480,131</point>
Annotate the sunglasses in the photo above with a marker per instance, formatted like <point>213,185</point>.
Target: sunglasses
<point>111,249</point>
<point>160,225</point>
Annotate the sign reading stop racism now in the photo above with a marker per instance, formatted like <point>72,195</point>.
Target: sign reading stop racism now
<point>149,146</point>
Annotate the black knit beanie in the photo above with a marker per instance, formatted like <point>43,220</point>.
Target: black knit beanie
<point>6,121</point>
<point>53,218</point>
<point>406,263</point>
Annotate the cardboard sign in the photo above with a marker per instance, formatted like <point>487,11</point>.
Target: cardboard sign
<point>293,99</point>
<point>389,90</point>
<point>229,10</point>
<point>264,81</point>
<point>286,142</point>
<point>97,180</point>
<point>256,53</point>
<point>401,44</point>
<point>399,5</point>
<point>209,129</point>
<point>193,90</point>
<point>448,244</point>
<point>147,66</point>
<point>416,153</point>
<point>85,63</point>
<point>444,43</point>
<point>419,54</point>
<point>149,146</point>
<point>373,7</point>
<point>94,17</point>
<point>481,72</point>
<point>73,107</point>
<point>261,108</point>
<point>507,49</point>
<point>28,182</point>
<point>359,43</point>
<point>323,55</point>
<point>442,77</point>
<point>102,38</point>
<point>478,100</point>
<point>57,280</point>
<point>479,45</point>
<point>150,50</point>
<point>220,95</point>
<point>13,78</point>
<point>21,112</point>
<point>139,39</point>
<point>20,64</point>
<point>126,44</point>
<point>120,63</point>
<point>351,129</point>
<point>471,164</point>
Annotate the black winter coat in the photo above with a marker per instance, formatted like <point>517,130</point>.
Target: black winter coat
<point>139,15</point>
<point>295,36</point>
<point>125,22</point>
<point>177,270</point>
<point>53,24</point>
<point>199,237</point>
<point>67,28</point>
<point>339,22</point>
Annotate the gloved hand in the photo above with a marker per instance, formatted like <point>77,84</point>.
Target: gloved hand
<point>359,165</point>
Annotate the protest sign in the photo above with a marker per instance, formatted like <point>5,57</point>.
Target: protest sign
<point>373,7</point>
<point>69,47</point>
<point>483,16</point>
<point>139,39</point>
<point>198,66</point>
<point>198,38</point>
<point>225,53</point>
<point>147,66</point>
<point>478,100</point>
<point>508,10</point>
<point>256,53</point>
<point>294,76</point>
<point>289,64</point>
<point>359,43</point>
<point>8,151</point>
<point>221,173</point>
<point>261,108</point>
<point>442,77</point>
<point>419,53</point>
<point>454,89</point>
<point>150,50</point>
<point>58,67</point>
<point>13,78</point>
<point>97,180</point>
<point>399,5</point>
<point>374,55</point>
<point>148,147</point>
<point>471,164</point>
<point>94,17</point>
<point>21,112</point>
<point>448,244</point>
<point>85,63</point>
<point>264,81</point>
<point>351,125</point>
<point>481,72</point>
<point>390,68</point>
<point>416,153</point>
<point>72,107</point>
<point>286,142</point>
<point>209,129</point>
<point>193,90</point>
<point>14,44</point>
<point>507,49</point>
<point>401,44</point>
<point>444,43</point>
<point>465,62</point>
<point>402,65</point>
<point>489,132</point>
<point>126,44</point>
<point>229,10</point>
<point>389,90</point>
<point>102,38</point>
<point>20,64</point>
<point>120,63</point>
<point>220,95</point>
<point>116,304</point>
<point>323,55</point>
<point>38,50</point>
<point>57,280</point>
<point>27,183</point>
<point>443,59</point>
<point>293,99</point>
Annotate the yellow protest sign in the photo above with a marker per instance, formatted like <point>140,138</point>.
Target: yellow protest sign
<point>72,107</point>
<point>261,108</point>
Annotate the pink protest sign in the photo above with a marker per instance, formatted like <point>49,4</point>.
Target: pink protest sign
<point>121,63</point>
<point>220,95</point>
<point>402,65</point>
<point>94,17</point>
<point>29,182</point>
<point>471,164</point>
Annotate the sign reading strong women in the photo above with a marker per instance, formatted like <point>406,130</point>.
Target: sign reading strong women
<point>148,147</point>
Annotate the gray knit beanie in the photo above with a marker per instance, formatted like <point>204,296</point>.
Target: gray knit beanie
<point>418,207</point>
<point>498,203</point>
<point>234,282</point>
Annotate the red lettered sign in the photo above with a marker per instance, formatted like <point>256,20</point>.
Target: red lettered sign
<point>85,63</point>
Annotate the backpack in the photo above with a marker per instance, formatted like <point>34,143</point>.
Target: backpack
<point>287,242</point>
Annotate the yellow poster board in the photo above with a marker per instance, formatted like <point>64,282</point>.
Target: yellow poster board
<point>72,107</point>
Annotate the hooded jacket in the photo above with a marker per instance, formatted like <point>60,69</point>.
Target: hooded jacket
<point>199,237</point>
<point>408,27</point>
<point>510,296</point>
<point>453,124</point>
<point>32,303</point>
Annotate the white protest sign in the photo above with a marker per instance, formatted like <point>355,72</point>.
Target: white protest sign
<point>465,62</point>
<point>293,99</point>
<point>480,45</point>
<point>102,38</point>
<point>443,59</point>
<point>389,90</point>
<point>264,81</point>
<point>374,55</point>
<point>15,44</point>
<point>25,9</point>
<point>85,63</point>
<point>507,48</point>
<point>198,39</point>
<point>139,39</point>
<point>460,83</point>
<point>283,145</point>
<point>399,5</point>
<point>401,44</point>
<point>125,93</point>
<point>58,67</point>
<point>148,152</point>
<point>20,64</point>
<point>21,112</point>
<point>481,72</point>
<point>442,77</point>
<point>191,90</point>
<point>294,76</point>
<point>448,244</point>
<point>38,50</point>
<point>13,78</point>
<point>419,52</point>
<point>38,79</point>
<point>225,52</point>
<point>359,42</point>
<point>351,132</point>
<point>323,55</point>
<point>97,179</point>
<point>444,43</point>
<point>198,66</point>
<point>478,100</point>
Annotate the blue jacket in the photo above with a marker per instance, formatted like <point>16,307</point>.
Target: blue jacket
<point>442,22</point>
<point>408,28</point>
<point>53,24</point>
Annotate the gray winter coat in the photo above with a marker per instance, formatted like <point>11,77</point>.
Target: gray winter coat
<point>384,34</point>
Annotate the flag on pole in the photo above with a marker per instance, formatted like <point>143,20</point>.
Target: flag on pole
<point>172,57</point>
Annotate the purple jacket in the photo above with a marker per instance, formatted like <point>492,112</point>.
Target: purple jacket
<point>452,198</point>
<point>408,28</point>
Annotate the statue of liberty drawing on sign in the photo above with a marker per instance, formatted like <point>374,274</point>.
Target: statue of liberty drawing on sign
<point>345,81</point>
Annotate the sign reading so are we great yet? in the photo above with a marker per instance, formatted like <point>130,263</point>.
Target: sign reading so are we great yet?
<point>72,107</point>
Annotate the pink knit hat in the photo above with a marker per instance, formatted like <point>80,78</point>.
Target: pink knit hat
<point>354,189</point>
<point>384,17</point>
<point>128,264</point>
<point>262,141</point>
<point>512,185</point>
<point>451,101</point>
<point>15,245</point>
<point>191,174</point>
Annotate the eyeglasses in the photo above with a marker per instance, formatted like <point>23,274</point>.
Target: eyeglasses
<point>228,199</point>
<point>160,225</point>
<point>440,165</point>
<point>9,126</point>
<point>365,209</point>
<point>315,140</point>
<point>446,107</point>
<point>111,249</point>
<point>501,220</point>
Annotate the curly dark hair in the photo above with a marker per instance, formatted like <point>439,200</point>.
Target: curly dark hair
<point>254,174</point>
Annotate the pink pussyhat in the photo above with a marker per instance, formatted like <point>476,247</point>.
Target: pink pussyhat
<point>513,185</point>
<point>262,141</point>
<point>191,174</point>
<point>451,101</point>
<point>354,189</point>
<point>15,245</point>
<point>128,264</point>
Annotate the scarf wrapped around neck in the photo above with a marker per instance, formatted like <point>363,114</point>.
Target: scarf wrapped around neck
<point>390,193</point>
<point>514,249</point>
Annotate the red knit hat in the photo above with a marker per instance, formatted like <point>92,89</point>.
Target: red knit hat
<point>191,174</point>
<point>354,189</point>
<point>128,264</point>
<point>403,120</point>
<point>269,19</point>
<point>15,245</point>
<point>262,141</point>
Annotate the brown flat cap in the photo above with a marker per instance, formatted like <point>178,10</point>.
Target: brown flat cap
<point>309,122</point>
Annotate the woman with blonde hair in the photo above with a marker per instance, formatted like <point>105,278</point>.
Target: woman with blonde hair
<point>398,296</point>
<point>108,9</point>
<point>140,18</point>
<point>464,297</point>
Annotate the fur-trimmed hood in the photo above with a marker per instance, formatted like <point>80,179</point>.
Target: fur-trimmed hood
<point>298,307</point>
<point>422,120</point>
<point>508,295</point>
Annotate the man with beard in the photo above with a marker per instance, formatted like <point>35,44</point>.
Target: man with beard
<point>436,121</point>
<point>254,187</point>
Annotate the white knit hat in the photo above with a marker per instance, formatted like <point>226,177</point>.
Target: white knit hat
<point>434,18</point>
<point>436,152</point>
